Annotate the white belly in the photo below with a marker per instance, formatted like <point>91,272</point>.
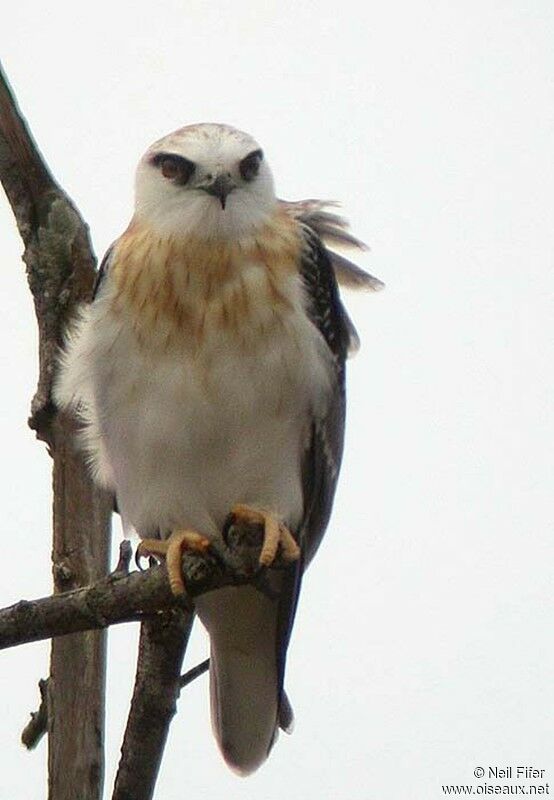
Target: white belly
<point>183,436</point>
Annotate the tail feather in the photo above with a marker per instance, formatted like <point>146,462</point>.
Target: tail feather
<point>244,679</point>
<point>243,695</point>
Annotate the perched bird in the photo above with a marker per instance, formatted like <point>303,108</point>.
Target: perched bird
<point>208,373</point>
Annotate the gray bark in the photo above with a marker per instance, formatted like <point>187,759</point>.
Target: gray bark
<point>60,270</point>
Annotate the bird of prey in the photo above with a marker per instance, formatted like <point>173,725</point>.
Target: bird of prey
<point>208,373</point>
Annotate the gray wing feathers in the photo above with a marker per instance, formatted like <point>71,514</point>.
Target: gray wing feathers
<point>322,458</point>
<point>351,276</point>
<point>334,230</point>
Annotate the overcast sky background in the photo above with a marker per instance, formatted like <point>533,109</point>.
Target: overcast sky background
<point>423,644</point>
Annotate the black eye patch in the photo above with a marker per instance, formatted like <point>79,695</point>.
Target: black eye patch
<point>175,168</point>
<point>250,165</point>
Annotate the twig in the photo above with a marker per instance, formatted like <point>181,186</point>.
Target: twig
<point>163,641</point>
<point>37,726</point>
<point>125,556</point>
<point>35,729</point>
<point>191,674</point>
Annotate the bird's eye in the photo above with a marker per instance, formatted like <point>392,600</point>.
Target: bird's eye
<point>250,165</point>
<point>174,168</point>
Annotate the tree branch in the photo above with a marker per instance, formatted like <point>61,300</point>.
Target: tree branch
<point>124,597</point>
<point>58,253</point>
<point>163,640</point>
<point>61,271</point>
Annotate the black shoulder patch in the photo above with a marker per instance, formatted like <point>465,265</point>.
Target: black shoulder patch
<point>102,271</point>
<point>325,308</point>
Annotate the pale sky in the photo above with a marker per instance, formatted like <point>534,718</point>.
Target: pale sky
<point>422,647</point>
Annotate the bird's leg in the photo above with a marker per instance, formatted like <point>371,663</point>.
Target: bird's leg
<point>172,550</point>
<point>276,534</point>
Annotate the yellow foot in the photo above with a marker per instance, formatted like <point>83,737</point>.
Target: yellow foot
<point>275,534</point>
<point>172,550</point>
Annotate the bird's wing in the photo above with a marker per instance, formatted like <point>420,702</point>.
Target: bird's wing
<point>323,453</point>
<point>323,456</point>
<point>334,230</point>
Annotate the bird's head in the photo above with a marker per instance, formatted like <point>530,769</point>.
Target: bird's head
<point>211,181</point>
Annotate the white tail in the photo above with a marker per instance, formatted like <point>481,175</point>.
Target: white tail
<point>243,673</point>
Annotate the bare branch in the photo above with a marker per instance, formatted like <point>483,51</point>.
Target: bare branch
<point>123,598</point>
<point>77,663</point>
<point>61,271</point>
<point>58,254</point>
<point>24,175</point>
<point>163,640</point>
<point>94,607</point>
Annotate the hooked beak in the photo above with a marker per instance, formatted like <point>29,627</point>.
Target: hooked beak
<point>220,188</point>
